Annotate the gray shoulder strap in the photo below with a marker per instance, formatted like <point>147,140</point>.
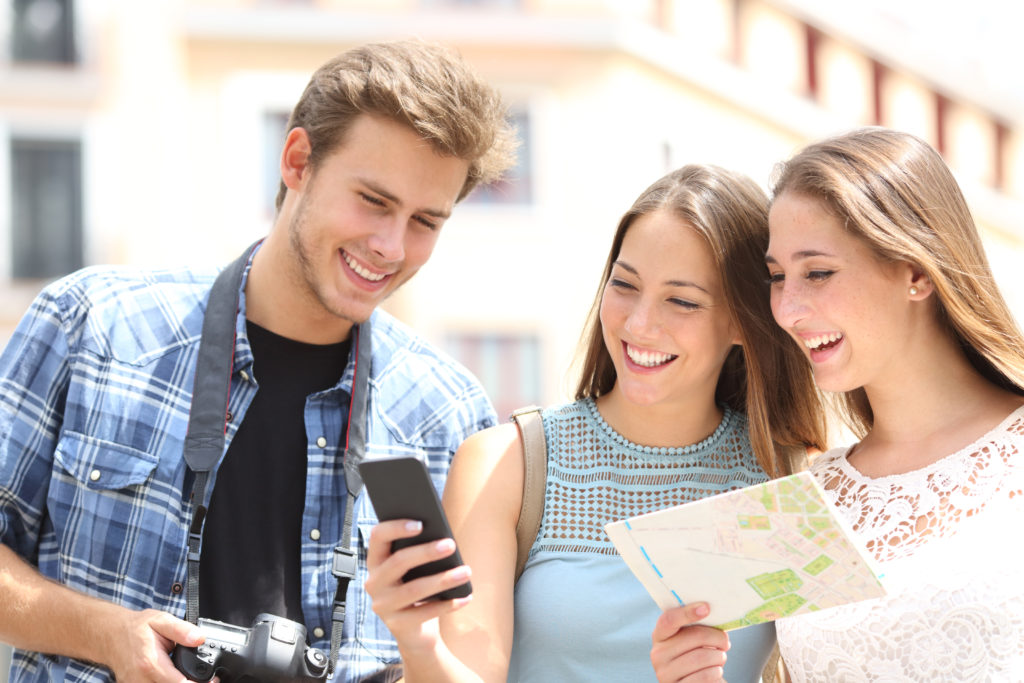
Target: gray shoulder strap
<point>531,428</point>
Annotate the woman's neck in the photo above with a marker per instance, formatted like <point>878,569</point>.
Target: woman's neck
<point>939,406</point>
<point>663,425</point>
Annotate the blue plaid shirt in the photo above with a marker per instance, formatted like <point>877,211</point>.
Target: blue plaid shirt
<point>95,387</point>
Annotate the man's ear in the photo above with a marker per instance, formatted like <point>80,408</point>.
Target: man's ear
<point>295,158</point>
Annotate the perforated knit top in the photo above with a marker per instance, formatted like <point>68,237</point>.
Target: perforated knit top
<point>580,614</point>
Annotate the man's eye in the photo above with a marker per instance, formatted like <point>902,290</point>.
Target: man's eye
<point>425,222</point>
<point>369,199</point>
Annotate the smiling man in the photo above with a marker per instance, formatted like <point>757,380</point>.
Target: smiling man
<point>116,536</point>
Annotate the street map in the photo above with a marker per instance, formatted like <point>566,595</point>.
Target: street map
<point>754,555</point>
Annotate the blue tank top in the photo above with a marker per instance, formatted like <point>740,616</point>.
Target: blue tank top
<point>580,614</point>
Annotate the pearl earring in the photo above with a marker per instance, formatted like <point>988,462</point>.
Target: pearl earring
<point>913,291</point>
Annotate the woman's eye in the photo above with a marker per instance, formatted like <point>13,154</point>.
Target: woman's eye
<point>775,278</point>
<point>369,199</point>
<point>620,284</point>
<point>683,303</point>
<point>818,275</point>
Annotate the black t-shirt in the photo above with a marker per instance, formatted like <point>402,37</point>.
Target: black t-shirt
<point>251,540</point>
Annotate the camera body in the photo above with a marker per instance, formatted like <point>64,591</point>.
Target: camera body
<point>272,649</point>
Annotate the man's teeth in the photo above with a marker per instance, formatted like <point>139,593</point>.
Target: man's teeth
<point>363,272</point>
<point>647,359</point>
<point>819,341</point>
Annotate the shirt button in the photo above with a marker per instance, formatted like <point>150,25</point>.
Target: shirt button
<point>229,416</point>
<point>176,588</point>
<point>244,375</point>
<point>321,442</point>
<point>315,534</point>
<point>94,475</point>
<point>318,632</point>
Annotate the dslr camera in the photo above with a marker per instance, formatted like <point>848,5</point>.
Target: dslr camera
<point>272,649</point>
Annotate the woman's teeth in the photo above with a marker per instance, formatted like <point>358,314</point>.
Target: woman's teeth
<point>363,272</point>
<point>647,359</point>
<point>816,343</point>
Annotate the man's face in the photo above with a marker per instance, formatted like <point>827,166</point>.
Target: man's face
<point>366,218</point>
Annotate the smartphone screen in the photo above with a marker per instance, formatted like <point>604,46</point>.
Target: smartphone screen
<point>400,488</point>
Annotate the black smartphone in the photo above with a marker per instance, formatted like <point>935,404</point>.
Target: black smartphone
<point>400,488</point>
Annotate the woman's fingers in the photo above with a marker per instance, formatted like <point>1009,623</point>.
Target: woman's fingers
<point>682,650</point>
<point>390,594</point>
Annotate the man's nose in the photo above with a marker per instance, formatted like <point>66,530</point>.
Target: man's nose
<point>388,239</point>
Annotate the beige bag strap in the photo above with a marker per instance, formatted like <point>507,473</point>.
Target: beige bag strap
<point>531,428</point>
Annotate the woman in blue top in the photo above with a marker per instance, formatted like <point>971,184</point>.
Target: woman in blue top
<point>686,389</point>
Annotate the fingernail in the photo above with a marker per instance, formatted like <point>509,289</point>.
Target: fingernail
<point>460,572</point>
<point>414,526</point>
<point>445,545</point>
<point>701,610</point>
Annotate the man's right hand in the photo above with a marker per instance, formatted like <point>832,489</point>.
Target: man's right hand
<point>42,615</point>
<point>139,648</point>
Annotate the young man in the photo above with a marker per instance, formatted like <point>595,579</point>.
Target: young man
<point>96,559</point>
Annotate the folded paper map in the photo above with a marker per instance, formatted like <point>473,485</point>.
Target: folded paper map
<point>756,554</point>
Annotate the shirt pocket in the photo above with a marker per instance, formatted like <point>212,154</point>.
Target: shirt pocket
<point>101,465</point>
<point>118,530</point>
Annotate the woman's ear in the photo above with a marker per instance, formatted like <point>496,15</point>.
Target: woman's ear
<point>919,285</point>
<point>295,159</point>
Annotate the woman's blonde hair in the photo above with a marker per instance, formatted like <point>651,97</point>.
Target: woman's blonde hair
<point>766,377</point>
<point>895,192</point>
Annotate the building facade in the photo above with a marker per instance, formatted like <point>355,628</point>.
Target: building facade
<point>148,133</point>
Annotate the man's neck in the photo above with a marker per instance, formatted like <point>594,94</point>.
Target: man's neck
<point>276,301</point>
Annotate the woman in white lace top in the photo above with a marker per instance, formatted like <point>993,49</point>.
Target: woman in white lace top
<point>877,271</point>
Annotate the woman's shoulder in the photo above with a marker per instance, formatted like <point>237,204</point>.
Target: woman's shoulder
<point>582,407</point>
<point>491,443</point>
<point>822,461</point>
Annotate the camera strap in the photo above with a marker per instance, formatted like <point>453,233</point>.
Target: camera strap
<point>207,415</point>
<point>343,566</point>
<point>207,426</point>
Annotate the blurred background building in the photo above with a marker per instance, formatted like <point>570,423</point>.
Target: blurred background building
<point>148,133</point>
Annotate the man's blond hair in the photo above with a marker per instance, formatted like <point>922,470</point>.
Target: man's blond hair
<point>424,86</point>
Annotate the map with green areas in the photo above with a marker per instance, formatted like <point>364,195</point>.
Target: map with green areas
<point>755,555</point>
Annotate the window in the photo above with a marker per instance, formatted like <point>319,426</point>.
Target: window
<point>274,133</point>
<point>508,366</point>
<point>472,3</point>
<point>43,31</point>
<point>46,207</point>
<point>517,185</point>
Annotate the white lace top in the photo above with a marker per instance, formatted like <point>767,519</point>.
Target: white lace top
<point>950,549</point>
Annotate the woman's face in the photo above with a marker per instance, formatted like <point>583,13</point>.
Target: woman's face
<point>664,315</point>
<point>846,308</point>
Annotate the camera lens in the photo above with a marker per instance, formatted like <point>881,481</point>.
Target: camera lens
<point>316,661</point>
